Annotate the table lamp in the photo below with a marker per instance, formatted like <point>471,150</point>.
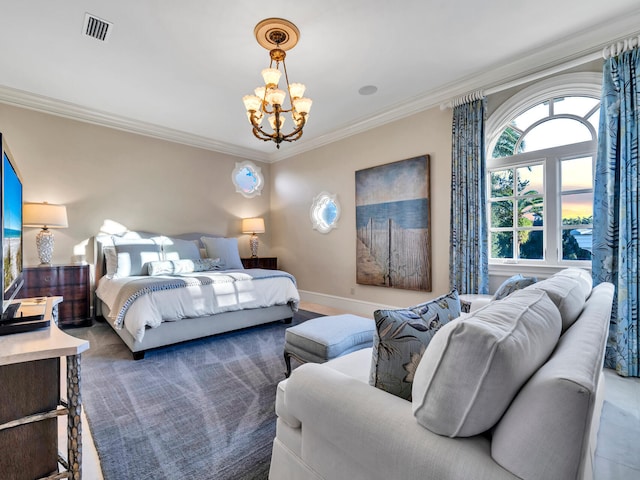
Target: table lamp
<point>253,226</point>
<point>45,216</point>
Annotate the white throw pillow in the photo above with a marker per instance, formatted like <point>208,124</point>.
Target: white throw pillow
<point>111,260</point>
<point>176,267</point>
<point>567,294</point>
<point>582,276</point>
<point>226,249</point>
<point>475,365</point>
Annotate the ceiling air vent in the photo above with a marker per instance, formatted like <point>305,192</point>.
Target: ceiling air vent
<point>97,28</point>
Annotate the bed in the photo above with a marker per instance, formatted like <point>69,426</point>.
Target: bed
<point>157,290</point>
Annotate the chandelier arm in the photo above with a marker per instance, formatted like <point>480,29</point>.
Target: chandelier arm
<point>297,130</point>
<point>257,132</point>
<point>286,79</point>
<point>257,129</point>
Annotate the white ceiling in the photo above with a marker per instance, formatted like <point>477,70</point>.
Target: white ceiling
<point>178,70</point>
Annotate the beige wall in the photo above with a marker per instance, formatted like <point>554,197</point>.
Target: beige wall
<point>326,263</point>
<point>143,183</point>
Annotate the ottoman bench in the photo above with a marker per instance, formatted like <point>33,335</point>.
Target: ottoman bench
<point>323,338</point>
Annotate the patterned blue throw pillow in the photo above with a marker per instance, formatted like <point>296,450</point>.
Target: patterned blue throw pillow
<point>512,284</point>
<point>401,338</point>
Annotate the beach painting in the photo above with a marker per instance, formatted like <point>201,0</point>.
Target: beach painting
<point>393,225</point>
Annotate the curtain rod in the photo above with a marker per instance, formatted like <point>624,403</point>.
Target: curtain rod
<point>612,50</point>
<point>522,80</point>
<point>620,47</point>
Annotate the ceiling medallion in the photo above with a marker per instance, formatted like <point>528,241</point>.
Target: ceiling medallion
<point>277,35</point>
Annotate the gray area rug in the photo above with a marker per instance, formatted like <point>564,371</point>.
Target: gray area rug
<point>199,410</point>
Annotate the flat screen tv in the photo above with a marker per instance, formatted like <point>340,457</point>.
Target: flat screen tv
<point>11,219</point>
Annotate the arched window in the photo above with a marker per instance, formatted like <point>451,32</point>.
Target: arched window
<point>542,147</point>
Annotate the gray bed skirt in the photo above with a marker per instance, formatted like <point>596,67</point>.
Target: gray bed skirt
<point>169,333</point>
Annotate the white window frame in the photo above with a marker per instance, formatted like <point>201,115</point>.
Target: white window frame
<point>574,84</point>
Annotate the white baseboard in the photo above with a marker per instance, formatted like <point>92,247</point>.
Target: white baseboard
<point>356,307</point>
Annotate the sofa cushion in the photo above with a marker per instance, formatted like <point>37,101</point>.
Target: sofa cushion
<point>582,276</point>
<point>512,284</point>
<point>567,294</point>
<point>475,365</point>
<point>401,337</point>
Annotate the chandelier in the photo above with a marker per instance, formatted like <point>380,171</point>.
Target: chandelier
<point>277,35</point>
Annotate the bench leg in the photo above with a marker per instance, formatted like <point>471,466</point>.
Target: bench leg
<point>287,361</point>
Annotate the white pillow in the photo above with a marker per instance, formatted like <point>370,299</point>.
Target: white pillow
<point>179,249</point>
<point>474,365</point>
<point>111,260</point>
<point>582,276</point>
<point>176,267</point>
<point>567,294</point>
<point>226,249</point>
<point>134,256</point>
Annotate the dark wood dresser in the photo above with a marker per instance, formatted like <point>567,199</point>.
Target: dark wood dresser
<point>72,282</point>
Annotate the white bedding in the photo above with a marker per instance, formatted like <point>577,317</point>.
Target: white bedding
<point>152,309</point>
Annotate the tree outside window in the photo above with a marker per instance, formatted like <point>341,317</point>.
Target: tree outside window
<point>541,183</point>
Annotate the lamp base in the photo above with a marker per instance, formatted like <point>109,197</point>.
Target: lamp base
<point>44,244</point>
<point>253,244</point>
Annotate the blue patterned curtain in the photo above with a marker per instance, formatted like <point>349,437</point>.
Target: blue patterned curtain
<point>469,269</point>
<point>616,241</point>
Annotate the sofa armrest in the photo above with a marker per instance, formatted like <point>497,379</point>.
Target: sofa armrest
<point>353,430</point>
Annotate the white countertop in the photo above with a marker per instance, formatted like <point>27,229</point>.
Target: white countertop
<point>49,342</point>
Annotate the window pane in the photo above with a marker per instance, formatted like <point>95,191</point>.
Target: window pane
<point>528,118</point>
<point>576,244</point>
<point>531,245</point>
<point>575,105</point>
<point>506,144</point>
<point>502,183</point>
<point>502,214</point>
<point>530,179</point>
<point>501,245</point>
<point>577,209</point>
<point>556,132</point>
<point>577,174</point>
<point>530,212</point>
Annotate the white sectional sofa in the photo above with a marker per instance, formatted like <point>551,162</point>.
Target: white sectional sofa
<point>332,424</point>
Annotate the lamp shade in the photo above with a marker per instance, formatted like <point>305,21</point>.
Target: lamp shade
<point>253,225</point>
<point>44,215</point>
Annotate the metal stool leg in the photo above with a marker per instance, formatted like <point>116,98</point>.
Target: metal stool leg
<point>287,361</point>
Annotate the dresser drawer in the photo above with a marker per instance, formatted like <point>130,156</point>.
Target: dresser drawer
<point>72,282</point>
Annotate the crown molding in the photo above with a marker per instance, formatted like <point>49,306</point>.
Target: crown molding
<point>69,110</point>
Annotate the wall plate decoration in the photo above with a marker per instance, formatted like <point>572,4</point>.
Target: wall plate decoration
<point>393,225</point>
<point>248,179</point>
<point>325,212</point>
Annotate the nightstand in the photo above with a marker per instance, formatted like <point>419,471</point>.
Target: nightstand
<point>68,281</point>
<point>268,263</point>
